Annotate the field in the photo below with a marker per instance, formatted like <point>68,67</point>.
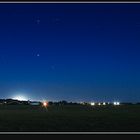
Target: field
<point>70,118</point>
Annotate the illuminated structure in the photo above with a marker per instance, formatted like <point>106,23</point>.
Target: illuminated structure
<point>34,103</point>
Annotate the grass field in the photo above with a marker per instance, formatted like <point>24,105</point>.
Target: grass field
<point>69,118</point>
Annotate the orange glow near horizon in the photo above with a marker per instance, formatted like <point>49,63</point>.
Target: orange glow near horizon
<point>45,104</point>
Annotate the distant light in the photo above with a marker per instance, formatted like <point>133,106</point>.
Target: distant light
<point>104,103</point>
<point>45,104</point>
<point>99,103</point>
<point>92,103</point>
<point>116,103</point>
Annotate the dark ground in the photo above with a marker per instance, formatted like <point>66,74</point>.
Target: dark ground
<point>69,118</point>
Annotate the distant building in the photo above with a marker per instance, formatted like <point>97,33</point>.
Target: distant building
<point>34,103</point>
<point>14,103</point>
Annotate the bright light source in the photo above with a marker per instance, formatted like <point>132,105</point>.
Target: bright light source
<point>45,104</point>
<point>92,103</point>
<point>104,103</point>
<point>99,103</point>
<point>116,103</point>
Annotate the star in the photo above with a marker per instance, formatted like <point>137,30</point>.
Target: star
<point>38,55</point>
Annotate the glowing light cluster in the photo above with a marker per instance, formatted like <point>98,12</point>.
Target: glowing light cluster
<point>116,103</point>
<point>92,103</point>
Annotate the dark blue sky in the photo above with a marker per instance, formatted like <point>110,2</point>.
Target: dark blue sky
<point>73,52</point>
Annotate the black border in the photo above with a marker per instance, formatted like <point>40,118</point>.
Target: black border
<point>71,137</point>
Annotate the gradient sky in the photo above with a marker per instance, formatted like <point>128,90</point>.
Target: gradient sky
<point>73,52</point>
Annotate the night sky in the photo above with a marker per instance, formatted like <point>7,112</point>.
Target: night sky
<point>73,52</point>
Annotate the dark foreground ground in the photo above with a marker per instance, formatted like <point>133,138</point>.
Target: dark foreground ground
<point>69,118</point>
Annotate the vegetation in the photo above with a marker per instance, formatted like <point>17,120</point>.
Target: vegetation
<point>69,118</point>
